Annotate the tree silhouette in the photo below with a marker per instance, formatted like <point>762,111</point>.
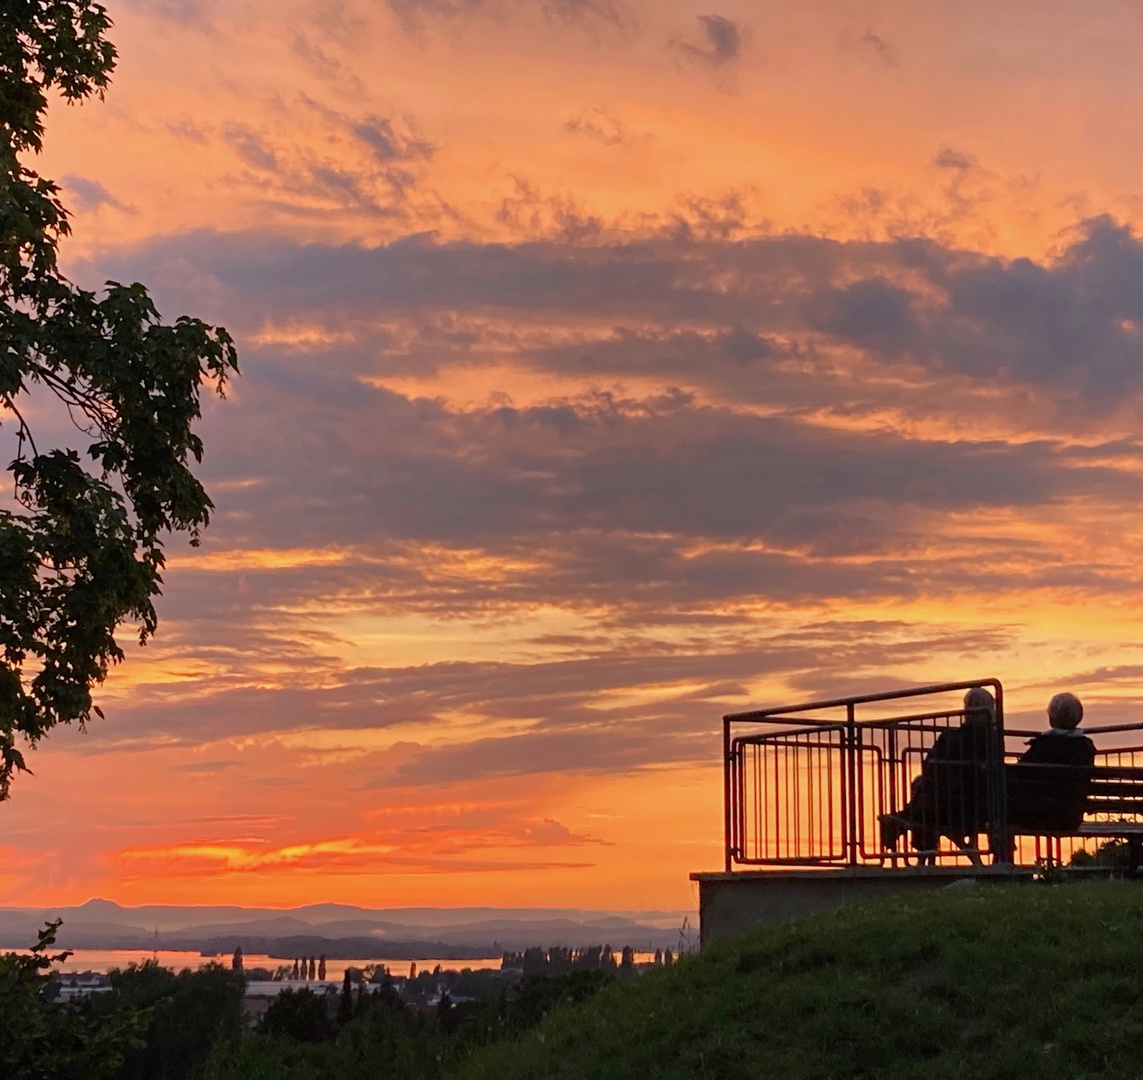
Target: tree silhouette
<point>83,553</point>
<point>446,1013</point>
<point>345,1002</point>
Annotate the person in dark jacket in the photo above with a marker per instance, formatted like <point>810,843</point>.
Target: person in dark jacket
<point>950,796</point>
<point>1049,800</point>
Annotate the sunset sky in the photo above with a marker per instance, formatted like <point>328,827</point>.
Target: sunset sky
<point>607,365</point>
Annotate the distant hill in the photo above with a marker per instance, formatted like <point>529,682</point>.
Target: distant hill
<point>1030,982</point>
<point>336,929</point>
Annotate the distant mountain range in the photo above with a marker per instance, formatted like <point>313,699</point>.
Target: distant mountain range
<point>341,930</point>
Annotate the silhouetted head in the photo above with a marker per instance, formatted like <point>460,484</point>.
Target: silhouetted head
<point>1065,712</point>
<point>979,706</point>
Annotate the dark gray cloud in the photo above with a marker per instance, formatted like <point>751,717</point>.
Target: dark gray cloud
<point>325,63</point>
<point>365,466</point>
<point>206,766</point>
<point>876,50</point>
<point>87,194</point>
<point>560,710</point>
<point>188,12</point>
<point>611,487</point>
<point>251,146</point>
<point>949,158</point>
<point>722,41</point>
<point>379,175</point>
<point>413,13</point>
<point>603,127</point>
<point>729,477</point>
<point>1072,324</point>
<point>387,143</point>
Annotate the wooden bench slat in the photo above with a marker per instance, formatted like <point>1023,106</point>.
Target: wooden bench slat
<point>1110,828</point>
<point>1115,772</point>
<point>1035,771</point>
<point>1107,788</point>
<point>1044,773</point>
<point>1113,806</point>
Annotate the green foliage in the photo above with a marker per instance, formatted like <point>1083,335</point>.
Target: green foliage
<point>186,1014</point>
<point>1015,982</point>
<point>44,1040</point>
<point>387,1039</point>
<point>1111,853</point>
<point>383,1042</point>
<point>85,553</point>
<point>524,1006</point>
<point>298,1014</point>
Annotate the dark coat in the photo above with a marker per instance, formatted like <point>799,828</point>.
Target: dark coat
<point>1047,800</point>
<point>950,796</point>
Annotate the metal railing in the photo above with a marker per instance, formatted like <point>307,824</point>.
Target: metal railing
<point>839,783</point>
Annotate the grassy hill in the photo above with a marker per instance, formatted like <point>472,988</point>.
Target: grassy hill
<point>999,982</point>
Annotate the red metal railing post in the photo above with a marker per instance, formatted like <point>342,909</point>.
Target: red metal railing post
<point>727,811</point>
<point>851,762</point>
<point>998,804</point>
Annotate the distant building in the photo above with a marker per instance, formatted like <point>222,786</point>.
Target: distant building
<point>77,985</point>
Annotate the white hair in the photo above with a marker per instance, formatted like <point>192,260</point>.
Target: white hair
<point>1065,712</point>
<point>979,705</point>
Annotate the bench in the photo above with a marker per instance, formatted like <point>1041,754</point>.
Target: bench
<point>1106,802</point>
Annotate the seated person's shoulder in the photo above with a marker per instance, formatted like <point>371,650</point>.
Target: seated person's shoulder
<point>958,743</point>
<point>1053,749</point>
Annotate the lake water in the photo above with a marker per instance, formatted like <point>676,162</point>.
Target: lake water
<point>103,960</point>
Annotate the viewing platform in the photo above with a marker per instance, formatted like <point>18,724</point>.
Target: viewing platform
<point>833,802</point>
<point>731,904</point>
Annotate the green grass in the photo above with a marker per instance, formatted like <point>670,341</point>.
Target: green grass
<point>1040,981</point>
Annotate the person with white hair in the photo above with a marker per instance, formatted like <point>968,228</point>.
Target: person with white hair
<point>950,796</point>
<point>1049,799</point>
<point>1065,711</point>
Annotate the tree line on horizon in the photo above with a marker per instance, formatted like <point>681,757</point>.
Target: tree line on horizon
<point>557,960</point>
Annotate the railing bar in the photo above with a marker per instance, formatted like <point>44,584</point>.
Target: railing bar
<point>849,702</point>
<point>798,800</point>
<point>816,797</point>
<point>765,736</point>
<point>727,798</point>
<point>778,805</point>
<point>851,740</point>
<point>786,793</point>
<point>760,801</point>
<point>776,829</point>
<point>829,797</point>
<point>741,824</point>
<point>808,784</point>
<point>882,721</point>
<point>1110,729</point>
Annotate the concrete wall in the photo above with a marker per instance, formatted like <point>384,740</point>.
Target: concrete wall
<point>733,904</point>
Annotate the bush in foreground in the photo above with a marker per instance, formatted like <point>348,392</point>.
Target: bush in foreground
<point>41,1039</point>
<point>297,1041</point>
